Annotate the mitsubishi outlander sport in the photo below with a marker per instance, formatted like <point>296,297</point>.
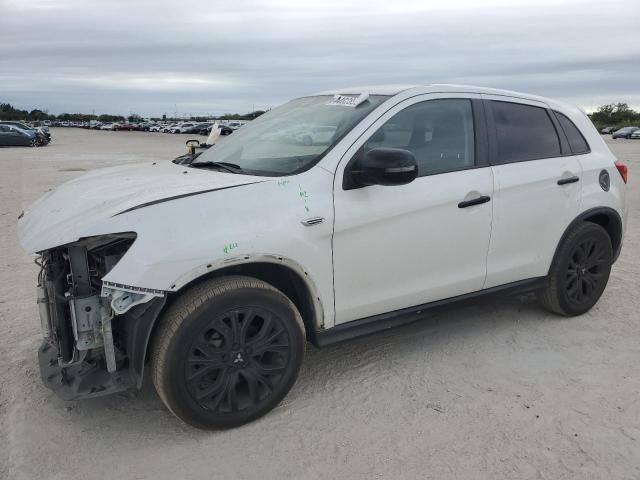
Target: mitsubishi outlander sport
<point>210,277</point>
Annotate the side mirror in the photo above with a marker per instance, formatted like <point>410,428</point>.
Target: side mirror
<point>385,166</point>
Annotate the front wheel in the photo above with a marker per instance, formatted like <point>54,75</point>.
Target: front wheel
<point>227,352</point>
<point>580,271</point>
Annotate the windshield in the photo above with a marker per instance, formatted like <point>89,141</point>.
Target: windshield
<point>291,138</point>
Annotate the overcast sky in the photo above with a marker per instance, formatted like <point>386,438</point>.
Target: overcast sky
<point>155,57</point>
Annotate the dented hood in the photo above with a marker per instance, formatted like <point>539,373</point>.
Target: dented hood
<point>68,212</point>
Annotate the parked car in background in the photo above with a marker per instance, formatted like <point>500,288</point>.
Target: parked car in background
<point>182,128</point>
<point>235,124</point>
<point>42,131</point>
<point>608,130</point>
<point>205,129</point>
<point>109,126</point>
<point>169,127</point>
<point>157,127</point>
<point>624,132</point>
<point>211,283</point>
<point>11,136</point>
<point>127,126</point>
<point>39,126</point>
<point>636,135</point>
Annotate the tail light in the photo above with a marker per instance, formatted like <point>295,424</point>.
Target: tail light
<point>622,168</point>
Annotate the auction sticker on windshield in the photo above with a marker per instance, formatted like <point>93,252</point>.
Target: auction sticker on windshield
<point>348,101</point>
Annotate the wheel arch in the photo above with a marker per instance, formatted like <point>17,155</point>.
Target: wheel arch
<point>280,272</point>
<point>607,218</point>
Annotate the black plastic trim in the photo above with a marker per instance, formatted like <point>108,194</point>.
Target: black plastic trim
<point>609,212</point>
<point>80,380</point>
<point>138,324</point>
<point>571,152</point>
<point>385,321</point>
<point>565,149</point>
<point>481,133</point>
<point>566,181</point>
<point>476,201</point>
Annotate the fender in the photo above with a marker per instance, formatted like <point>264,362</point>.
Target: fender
<point>208,269</point>
<point>614,229</point>
<point>140,321</point>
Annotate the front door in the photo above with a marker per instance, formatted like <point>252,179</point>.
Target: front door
<point>400,246</point>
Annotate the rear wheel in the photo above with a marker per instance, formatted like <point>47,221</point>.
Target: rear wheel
<point>580,271</point>
<point>227,352</point>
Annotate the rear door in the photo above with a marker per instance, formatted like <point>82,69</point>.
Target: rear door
<point>537,186</point>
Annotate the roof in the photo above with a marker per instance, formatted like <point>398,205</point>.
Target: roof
<point>432,88</point>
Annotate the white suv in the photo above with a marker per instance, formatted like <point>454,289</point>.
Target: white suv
<point>215,273</point>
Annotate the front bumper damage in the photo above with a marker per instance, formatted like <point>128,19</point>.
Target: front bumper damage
<point>80,380</point>
<point>95,334</point>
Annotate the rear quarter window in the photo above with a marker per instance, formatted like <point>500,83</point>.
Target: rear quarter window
<point>523,132</point>
<point>576,140</point>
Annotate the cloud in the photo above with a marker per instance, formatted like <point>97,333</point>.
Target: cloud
<point>154,57</point>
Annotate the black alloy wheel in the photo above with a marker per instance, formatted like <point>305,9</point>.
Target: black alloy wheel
<point>588,267</point>
<point>227,351</point>
<point>580,272</point>
<point>237,360</point>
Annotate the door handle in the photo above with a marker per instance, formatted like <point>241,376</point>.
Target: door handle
<point>475,201</point>
<point>565,181</point>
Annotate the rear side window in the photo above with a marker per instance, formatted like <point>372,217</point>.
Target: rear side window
<point>576,141</point>
<point>523,132</point>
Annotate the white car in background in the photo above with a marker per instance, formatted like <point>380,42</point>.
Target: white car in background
<point>635,135</point>
<point>109,126</point>
<point>182,128</point>
<point>235,124</point>
<point>212,276</point>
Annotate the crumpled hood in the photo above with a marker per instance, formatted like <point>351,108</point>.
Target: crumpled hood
<point>66,213</point>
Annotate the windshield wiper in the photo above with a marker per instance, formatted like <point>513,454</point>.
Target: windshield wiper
<point>229,167</point>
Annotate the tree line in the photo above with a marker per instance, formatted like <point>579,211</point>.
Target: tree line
<point>9,112</point>
<point>615,115</point>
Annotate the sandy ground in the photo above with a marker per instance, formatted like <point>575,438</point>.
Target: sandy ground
<point>497,390</point>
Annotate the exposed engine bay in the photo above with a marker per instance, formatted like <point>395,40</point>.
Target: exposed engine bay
<point>83,319</point>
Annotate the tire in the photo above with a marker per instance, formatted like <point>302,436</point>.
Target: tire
<point>227,352</point>
<point>33,142</point>
<point>580,271</point>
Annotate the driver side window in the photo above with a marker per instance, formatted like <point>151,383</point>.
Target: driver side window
<point>439,134</point>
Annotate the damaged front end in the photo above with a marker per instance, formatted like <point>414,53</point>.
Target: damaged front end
<point>95,333</point>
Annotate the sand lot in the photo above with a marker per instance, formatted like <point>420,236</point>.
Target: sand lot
<point>497,390</point>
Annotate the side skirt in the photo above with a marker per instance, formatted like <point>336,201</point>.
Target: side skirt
<point>385,321</point>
